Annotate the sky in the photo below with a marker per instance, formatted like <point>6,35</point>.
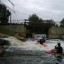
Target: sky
<point>45,9</point>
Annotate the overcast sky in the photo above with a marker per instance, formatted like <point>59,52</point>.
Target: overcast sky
<point>45,9</point>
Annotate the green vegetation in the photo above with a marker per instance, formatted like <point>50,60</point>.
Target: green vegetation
<point>7,31</point>
<point>38,25</point>
<point>62,23</point>
<point>4,14</point>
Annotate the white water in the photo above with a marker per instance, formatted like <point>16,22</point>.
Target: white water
<point>30,45</point>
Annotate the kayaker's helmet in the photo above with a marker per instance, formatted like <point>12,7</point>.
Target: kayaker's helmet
<point>59,44</point>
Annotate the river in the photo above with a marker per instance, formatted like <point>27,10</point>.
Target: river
<point>30,53</point>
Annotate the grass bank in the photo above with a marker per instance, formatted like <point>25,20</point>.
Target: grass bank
<point>7,31</point>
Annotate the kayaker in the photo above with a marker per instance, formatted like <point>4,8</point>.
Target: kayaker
<point>40,41</point>
<point>59,51</point>
<point>59,48</point>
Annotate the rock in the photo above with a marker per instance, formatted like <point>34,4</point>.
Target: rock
<point>20,37</point>
<point>3,35</point>
<point>1,51</point>
<point>4,42</point>
<point>1,62</point>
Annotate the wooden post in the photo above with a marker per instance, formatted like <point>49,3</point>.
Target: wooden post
<point>10,20</point>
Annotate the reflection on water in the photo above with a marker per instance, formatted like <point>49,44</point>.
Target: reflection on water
<point>59,58</point>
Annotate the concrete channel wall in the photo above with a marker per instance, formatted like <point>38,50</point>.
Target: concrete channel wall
<point>17,28</point>
<point>56,32</point>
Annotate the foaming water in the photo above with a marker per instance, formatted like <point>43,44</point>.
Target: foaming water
<point>30,44</point>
